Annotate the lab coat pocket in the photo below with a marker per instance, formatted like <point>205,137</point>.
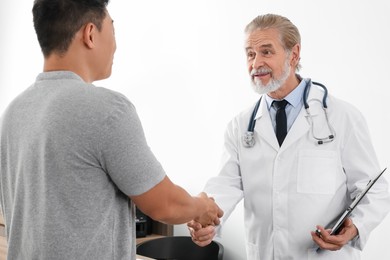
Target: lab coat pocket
<point>317,171</point>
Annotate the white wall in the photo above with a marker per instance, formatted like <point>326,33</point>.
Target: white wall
<point>182,64</point>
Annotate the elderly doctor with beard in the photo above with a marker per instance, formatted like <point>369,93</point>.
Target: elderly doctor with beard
<point>294,184</point>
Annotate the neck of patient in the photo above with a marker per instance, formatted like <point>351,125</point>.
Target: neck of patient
<point>69,61</point>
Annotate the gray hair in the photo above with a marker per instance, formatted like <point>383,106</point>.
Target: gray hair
<point>289,33</point>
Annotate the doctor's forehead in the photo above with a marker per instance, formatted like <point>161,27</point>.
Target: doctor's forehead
<point>263,38</point>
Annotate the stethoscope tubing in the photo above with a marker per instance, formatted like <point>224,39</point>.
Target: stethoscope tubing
<point>248,138</point>
<point>252,121</point>
<point>306,94</point>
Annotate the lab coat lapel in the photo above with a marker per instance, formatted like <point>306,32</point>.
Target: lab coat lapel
<point>264,127</point>
<point>299,128</point>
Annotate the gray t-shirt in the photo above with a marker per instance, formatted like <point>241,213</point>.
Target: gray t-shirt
<point>71,154</point>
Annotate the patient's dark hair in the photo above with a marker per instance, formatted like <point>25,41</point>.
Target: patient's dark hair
<point>57,21</point>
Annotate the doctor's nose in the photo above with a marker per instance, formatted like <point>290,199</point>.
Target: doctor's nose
<point>257,63</point>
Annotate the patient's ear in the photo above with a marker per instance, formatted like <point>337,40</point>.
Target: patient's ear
<point>89,35</point>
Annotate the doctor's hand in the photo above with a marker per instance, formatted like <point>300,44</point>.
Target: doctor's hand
<point>212,212</point>
<point>202,236</point>
<point>335,242</point>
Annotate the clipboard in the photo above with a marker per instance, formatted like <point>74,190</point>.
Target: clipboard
<point>336,227</point>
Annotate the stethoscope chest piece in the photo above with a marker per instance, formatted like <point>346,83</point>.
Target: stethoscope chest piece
<point>248,139</point>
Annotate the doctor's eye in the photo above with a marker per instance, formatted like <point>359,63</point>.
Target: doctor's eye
<point>266,52</point>
<point>250,55</point>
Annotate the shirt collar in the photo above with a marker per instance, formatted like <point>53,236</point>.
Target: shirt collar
<point>55,75</point>
<point>294,98</point>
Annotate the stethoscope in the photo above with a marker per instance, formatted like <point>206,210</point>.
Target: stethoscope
<point>248,138</point>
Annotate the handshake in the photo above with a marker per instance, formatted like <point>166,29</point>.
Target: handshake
<point>202,228</point>
<point>177,206</point>
<point>209,213</point>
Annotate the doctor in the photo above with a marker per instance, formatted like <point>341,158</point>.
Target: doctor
<point>304,180</point>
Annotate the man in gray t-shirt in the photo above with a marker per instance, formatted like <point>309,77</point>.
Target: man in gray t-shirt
<point>74,159</point>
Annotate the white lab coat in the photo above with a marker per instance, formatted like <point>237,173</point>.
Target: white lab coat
<point>287,191</point>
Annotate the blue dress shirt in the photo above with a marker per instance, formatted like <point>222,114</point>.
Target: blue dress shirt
<point>292,109</point>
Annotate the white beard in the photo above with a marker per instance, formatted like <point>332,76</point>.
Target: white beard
<point>274,84</point>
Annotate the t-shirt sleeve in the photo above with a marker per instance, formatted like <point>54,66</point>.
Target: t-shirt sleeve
<point>124,153</point>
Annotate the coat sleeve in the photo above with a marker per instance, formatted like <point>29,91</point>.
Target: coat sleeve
<point>361,165</point>
<point>226,188</point>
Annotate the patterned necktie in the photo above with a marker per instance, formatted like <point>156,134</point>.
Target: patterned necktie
<point>281,120</point>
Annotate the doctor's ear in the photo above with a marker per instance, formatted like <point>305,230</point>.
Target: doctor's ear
<point>295,55</point>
